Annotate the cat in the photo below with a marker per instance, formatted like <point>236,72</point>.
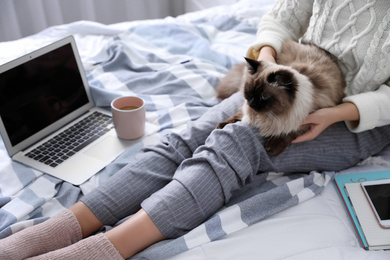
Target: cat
<point>278,97</point>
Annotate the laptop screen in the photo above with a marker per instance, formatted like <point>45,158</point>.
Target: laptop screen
<point>37,93</point>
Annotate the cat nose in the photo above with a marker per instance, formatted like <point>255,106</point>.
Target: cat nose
<point>258,103</point>
<point>253,103</point>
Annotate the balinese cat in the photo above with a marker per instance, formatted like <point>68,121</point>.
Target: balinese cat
<point>280,96</point>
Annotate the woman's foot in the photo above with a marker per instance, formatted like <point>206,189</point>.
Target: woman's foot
<point>94,247</point>
<point>59,231</point>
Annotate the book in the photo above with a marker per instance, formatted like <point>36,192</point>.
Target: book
<point>377,237</point>
<point>340,181</point>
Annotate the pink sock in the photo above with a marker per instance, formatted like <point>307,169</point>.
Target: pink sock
<point>94,247</point>
<point>59,231</point>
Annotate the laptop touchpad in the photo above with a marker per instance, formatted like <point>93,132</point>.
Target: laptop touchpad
<point>108,148</point>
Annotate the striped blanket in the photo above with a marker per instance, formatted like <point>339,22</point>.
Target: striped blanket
<point>174,64</point>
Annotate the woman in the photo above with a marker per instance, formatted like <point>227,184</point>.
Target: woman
<point>176,185</point>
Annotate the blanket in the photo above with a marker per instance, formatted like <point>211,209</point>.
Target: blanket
<point>268,194</point>
<point>174,64</point>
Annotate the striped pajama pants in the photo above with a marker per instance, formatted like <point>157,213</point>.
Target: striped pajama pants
<point>189,176</point>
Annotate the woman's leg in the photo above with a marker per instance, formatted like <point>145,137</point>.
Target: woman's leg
<point>88,222</point>
<point>60,231</point>
<point>135,234</point>
<point>231,157</point>
<point>151,170</point>
<point>228,161</point>
<point>123,241</point>
<point>154,167</point>
<point>334,150</point>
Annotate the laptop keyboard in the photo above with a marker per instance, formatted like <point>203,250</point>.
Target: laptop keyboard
<point>59,148</point>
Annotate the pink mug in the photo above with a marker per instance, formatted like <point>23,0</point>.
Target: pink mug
<point>128,114</point>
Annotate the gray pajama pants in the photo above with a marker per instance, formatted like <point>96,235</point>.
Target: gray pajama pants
<point>189,176</point>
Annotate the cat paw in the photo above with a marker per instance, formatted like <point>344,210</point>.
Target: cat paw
<point>233,119</point>
<point>274,151</point>
<point>221,125</point>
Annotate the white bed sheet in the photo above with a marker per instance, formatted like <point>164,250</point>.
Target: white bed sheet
<point>316,229</point>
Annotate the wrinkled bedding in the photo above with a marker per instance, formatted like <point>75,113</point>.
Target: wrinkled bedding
<point>175,65</point>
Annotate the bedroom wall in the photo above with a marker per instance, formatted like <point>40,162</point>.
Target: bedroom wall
<point>20,18</point>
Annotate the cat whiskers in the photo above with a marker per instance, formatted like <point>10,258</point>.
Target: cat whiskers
<point>272,116</point>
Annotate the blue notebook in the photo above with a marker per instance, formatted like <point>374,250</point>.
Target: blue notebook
<point>340,181</point>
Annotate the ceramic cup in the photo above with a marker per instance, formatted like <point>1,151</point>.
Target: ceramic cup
<point>128,114</point>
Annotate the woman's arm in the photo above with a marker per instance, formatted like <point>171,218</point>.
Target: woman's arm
<point>267,53</point>
<point>287,19</point>
<point>360,112</point>
<point>374,108</point>
<point>322,118</point>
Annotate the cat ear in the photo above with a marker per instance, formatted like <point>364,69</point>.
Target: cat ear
<point>252,65</point>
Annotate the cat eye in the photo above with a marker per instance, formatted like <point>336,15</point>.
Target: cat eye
<point>265,97</point>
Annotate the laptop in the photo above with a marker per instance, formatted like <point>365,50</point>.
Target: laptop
<point>45,102</point>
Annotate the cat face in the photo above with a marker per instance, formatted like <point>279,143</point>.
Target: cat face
<point>269,87</point>
<point>278,98</point>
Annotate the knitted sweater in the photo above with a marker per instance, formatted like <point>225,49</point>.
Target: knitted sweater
<point>357,32</point>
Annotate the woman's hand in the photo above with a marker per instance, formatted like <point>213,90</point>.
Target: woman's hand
<point>322,118</point>
<point>318,121</point>
<point>267,53</point>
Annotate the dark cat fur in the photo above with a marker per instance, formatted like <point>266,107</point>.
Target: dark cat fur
<point>280,96</point>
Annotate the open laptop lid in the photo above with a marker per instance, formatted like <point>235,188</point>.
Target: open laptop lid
<point>40,92</point>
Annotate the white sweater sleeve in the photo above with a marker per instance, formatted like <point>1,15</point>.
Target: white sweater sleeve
<point>374,109</point>
<point>288,19</point>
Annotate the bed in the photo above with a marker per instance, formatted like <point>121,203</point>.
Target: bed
<point>175,65</point>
